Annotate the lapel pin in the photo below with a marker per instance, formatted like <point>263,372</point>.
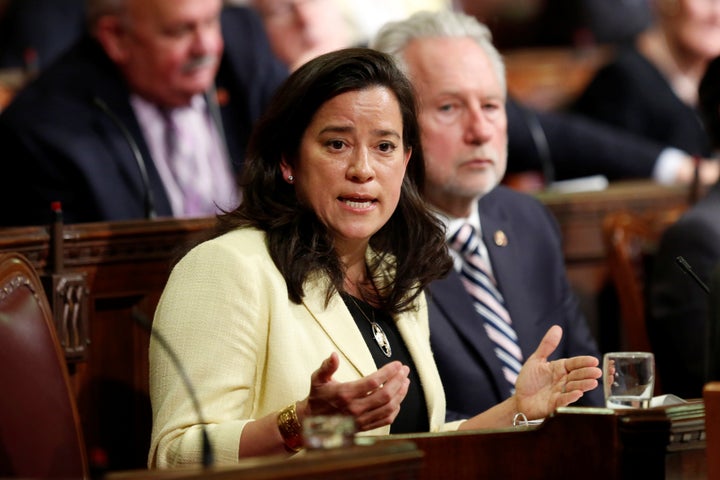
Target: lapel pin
<point>223,96</point>
<point>501,239</point>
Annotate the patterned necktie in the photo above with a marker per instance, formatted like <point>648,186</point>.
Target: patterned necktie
<point>184,165</point>
<point>480,284</point>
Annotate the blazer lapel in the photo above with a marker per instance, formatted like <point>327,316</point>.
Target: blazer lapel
<point>419,348</point>
<point>338,324</point>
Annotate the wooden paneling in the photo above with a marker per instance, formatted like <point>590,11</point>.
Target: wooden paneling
<point>551,78</point>
<point>126,265</point>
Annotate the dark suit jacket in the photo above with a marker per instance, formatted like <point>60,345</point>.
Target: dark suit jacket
<point>70,135</point>
<point>678,307</point>
<point>575,146</point>
<point>530,272</point>
<point>630,93</point>
<point>45,27</point>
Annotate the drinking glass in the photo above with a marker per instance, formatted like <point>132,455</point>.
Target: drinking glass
<point>628,379</point>
<point>328,431</point>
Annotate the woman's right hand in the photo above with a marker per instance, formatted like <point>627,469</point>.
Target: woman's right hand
<point>374,401</point>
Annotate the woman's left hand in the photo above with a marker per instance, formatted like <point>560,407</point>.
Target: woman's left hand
<point>543,385</point>
<point>373,401</point>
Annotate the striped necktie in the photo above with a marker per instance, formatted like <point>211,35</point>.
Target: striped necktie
<point>482,287</point>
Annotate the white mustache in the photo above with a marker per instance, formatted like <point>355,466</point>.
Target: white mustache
<point>485,153</point>
<point>200,62</point>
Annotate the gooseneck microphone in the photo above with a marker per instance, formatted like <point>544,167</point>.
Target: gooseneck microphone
<point>208,457</point>
<point>149,201</point>
<point>541,145</point>
<point>685,266</point>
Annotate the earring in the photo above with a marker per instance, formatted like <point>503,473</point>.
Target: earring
<point>290,179</point>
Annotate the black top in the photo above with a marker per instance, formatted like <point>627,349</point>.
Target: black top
<point>632,94</point>
<point>413,416</point>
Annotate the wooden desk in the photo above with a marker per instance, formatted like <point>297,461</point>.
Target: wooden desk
<point>711,394</point>
<point>127,263</point>
<point>388,461</point>
<point>573,443</point>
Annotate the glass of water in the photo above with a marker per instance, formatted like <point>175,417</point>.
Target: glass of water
<point>628,379</point>
<point>328,431</point>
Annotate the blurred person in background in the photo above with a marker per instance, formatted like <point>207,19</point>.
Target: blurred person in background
<point>300,30</point>
<point>651,87</point>
<point>148,115</point>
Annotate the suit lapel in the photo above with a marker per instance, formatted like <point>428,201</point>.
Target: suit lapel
<point>505,249</point>
<point>456,307</point>
<point>120,111</point>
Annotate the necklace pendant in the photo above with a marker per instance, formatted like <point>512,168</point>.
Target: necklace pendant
<point>381,339</point>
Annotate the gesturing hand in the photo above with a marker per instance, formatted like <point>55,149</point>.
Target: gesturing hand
<point>543,386</point>
<point>374,401</point>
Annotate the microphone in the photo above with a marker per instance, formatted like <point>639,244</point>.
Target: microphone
<point>712,329</point>
<point>208,457</point>
<point>541,144</point>
<point>149,201</point>
<point>685,266</point>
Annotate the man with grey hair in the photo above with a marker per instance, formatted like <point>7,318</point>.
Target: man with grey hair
<point>509,285</point>
<point>147,116</point>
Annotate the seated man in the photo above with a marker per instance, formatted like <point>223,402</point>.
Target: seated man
<point>141,118</point>
<point>509,285</point>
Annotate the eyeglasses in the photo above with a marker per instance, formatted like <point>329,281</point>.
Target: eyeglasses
<point>283,10</point>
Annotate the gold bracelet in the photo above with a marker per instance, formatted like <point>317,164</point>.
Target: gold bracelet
<point>290,428</point>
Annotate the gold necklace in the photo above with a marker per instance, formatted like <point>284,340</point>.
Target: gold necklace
<point>377,331</point>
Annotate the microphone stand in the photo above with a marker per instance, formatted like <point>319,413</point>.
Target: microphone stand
<point>208,457</point>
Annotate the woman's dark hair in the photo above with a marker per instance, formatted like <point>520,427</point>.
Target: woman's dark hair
<point>411,245</point>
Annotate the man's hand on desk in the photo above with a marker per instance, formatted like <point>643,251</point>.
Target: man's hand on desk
<point>708,171</point>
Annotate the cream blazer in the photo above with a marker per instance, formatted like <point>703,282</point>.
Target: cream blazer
<point>249,351</point>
